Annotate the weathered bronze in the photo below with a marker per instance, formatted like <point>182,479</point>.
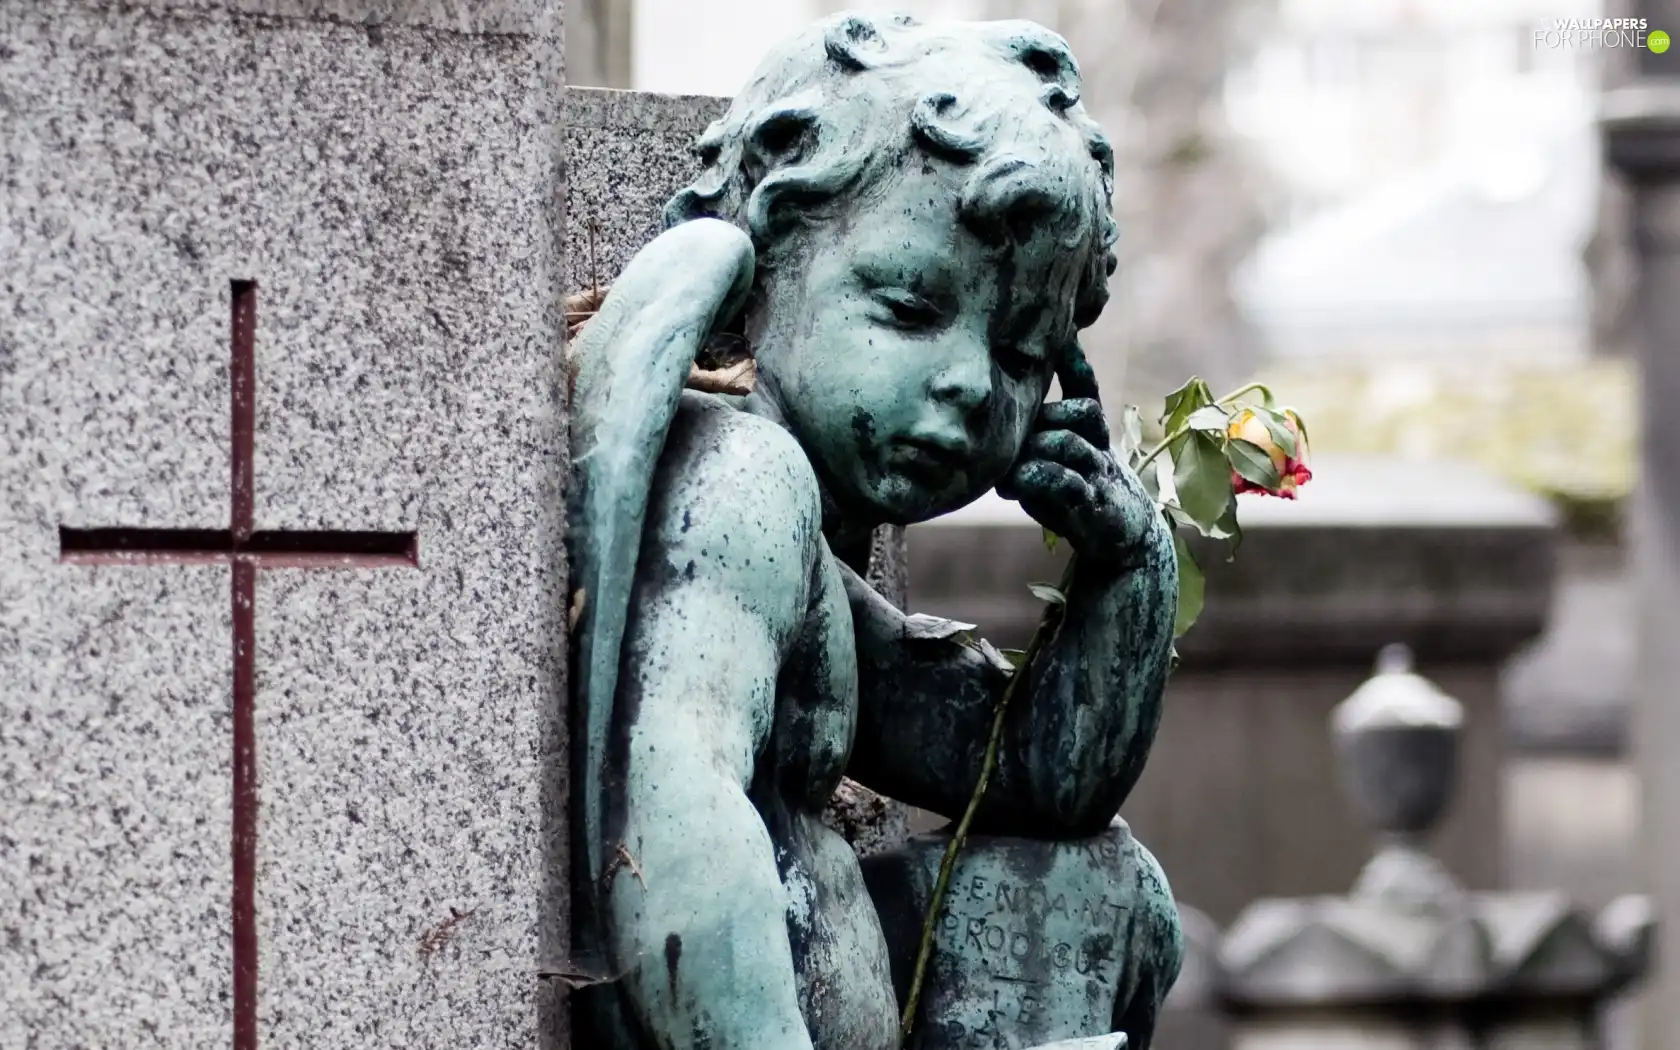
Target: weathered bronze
<point>907,225</point>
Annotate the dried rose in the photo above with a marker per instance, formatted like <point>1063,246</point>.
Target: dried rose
<point>1290,464</point>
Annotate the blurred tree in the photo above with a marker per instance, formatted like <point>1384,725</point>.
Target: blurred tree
<point>599,34</point>
<point>1185,194</point>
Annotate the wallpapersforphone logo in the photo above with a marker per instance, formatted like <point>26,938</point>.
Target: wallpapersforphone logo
<point>1587,33</point>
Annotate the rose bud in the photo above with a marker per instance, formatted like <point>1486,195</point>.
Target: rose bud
<point>1293,471</point>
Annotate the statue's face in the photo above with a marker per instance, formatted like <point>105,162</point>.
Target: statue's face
<point>908,359</point>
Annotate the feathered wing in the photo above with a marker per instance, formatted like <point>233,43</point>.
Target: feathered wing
<point>632,361</point>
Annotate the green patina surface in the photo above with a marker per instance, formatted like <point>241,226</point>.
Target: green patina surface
<point>907,225</point>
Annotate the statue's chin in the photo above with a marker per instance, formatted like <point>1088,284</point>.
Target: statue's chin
<point>896,499</point>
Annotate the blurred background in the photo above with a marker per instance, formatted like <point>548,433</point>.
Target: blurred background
<point>1396,213</point>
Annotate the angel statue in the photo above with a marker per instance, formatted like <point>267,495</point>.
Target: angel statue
<point>906,225</point>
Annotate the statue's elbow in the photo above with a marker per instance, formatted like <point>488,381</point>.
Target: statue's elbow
<point>1075,804</point>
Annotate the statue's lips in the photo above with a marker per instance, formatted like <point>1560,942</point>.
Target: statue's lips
<point>925,463</point>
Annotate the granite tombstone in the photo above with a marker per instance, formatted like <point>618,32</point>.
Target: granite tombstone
<point>279,298</point>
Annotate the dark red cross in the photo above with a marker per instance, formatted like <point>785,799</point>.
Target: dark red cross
<point>247,550</point>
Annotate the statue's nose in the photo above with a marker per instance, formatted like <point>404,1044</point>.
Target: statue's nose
<point>965,381</point>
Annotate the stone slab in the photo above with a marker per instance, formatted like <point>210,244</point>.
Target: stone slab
<point>537,18</point>
<point>391,194</point>
<point>115,883</point>
<point>1570,693</point>
<point>628,153</point>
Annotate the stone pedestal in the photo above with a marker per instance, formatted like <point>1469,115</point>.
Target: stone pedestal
<point>1410,960</point>
<point>1036,941</point>
<point>1440,556</point>
<point>281,573</point>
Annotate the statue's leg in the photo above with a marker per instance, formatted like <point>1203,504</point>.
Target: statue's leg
<point>1037,941</point>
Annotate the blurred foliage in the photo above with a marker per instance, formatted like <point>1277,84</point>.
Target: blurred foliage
<point>1566,432</point>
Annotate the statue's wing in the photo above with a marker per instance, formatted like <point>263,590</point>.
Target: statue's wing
<point>632,360</point>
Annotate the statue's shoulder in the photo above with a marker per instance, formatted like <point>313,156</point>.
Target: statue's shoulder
<point>740,458</point>
<point>736,498</point>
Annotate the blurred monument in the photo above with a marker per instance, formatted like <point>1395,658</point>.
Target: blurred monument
<point>1411,960</point>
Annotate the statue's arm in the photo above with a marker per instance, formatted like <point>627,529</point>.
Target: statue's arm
<point>1079,728</point>
<point>696,906</point>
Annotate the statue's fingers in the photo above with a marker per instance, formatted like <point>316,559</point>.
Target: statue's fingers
<point>1068,448</point>
<point>1051,493</point>
<point>1074,373</point>
<point>1082,415</point>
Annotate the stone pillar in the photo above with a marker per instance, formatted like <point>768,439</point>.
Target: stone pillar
<point>281,564</point>
<point>1410,960</point>
<point>1642,127</point>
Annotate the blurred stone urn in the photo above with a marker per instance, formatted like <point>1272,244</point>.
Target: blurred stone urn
<point>1397,747</point>
<point>1410,959</point>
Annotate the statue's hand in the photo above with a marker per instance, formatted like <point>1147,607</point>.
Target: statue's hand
<point>1071,482</point>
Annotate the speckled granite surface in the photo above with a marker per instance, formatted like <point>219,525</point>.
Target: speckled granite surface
<point>626,153</point>
<point>391,190</point>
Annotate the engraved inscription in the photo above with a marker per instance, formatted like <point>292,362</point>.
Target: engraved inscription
<point>1032,957</point>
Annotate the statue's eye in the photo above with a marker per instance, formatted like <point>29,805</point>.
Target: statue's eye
<point>909,310</point>
<point>1015,362</point>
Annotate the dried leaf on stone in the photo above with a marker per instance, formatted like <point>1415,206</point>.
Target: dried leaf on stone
<point>734,379</point>
<point>1047,593</point>
<point>920,627</point>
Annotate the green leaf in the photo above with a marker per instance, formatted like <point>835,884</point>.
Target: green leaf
<point>1017,657</point>
<point>1202,479</point>
<point>1131,434</point>
<point>1152,475</point>
<point>1166,491</point>
<point>1212,418</point>
<point>1279,429</point>
<point>1192,588</point>
<point>1045,592</point>
<point>1252,462</point>
<point>1050,539</point>
<point>1303,425</point>
<point>1226,528</point>
<point>1183,401</point>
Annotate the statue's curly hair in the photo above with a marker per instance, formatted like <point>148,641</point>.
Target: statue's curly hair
<point>833,113</point>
